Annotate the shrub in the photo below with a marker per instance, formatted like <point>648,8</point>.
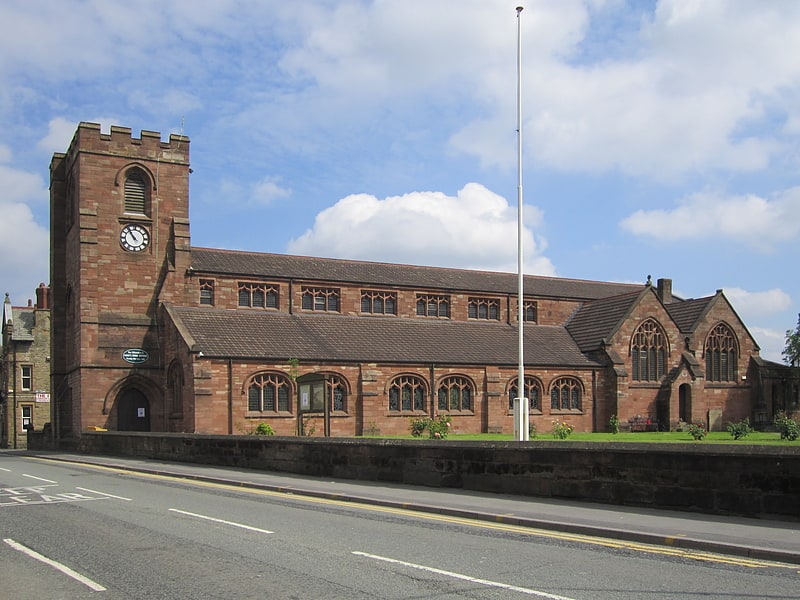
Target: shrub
<point>562,430</point>
<point>788,427</point>
<point>697,430</point>
<point>532,430</point>
<point>437,428</point>
<point>264,429</point>
<point>741,429</point>
<point>613,424</point>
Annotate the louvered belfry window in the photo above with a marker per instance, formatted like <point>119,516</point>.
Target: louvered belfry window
<point>135,192</point>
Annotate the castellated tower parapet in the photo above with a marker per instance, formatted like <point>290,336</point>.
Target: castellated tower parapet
<point>120,142</point>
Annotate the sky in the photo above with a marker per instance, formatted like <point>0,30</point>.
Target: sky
<point>659,138</point>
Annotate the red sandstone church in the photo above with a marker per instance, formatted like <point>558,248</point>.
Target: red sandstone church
<point>152,334</point>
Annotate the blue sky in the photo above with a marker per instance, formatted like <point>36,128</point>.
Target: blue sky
<point>660,138</point>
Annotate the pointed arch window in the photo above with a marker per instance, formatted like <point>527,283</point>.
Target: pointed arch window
<point>407,394</point>
<point>533,392</point>
<point>649,352</point>
<point>721,354</point>
<point>135,192</point>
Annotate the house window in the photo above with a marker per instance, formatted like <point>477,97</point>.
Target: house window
<point>380,303</point>
<point>455,394</point>
<point>27,377</point>
<point>721,354</point>
<point>207,292</point>
<point>565,394</point>
<point>27,417</point>
<point>484,308</point>
<point>433,306</point>
<point>648,352</point>
<point>269,392</point>
<point>320,299</point>
<point>530,311</point>
<point>135,192</point>
<point>533,392</point>
<point>258,295</point>
<point>407,394</point>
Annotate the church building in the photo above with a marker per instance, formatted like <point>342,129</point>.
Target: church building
<point>152,334</point>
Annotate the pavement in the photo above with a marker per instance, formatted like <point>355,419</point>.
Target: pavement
<point>762,539</point>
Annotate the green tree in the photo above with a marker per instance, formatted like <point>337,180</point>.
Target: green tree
<point>791,353</point>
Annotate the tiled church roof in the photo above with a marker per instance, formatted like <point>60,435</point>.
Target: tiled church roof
<point>254,264</point>
<point>686,313</point>
<point>597,320</point>
<point>319,338</point>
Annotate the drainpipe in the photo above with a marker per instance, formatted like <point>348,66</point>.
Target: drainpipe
<point>230,396</point>
<point>14,383</point>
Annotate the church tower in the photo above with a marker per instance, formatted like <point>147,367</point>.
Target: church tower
<point>119,246</point>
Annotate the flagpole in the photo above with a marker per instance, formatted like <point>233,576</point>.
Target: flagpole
<point>521,408</point>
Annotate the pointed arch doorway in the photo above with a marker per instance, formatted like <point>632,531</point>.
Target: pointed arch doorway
<point>133,411</point>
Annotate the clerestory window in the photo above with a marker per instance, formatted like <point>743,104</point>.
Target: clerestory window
<point>487,309</point>
<point>433,305</point>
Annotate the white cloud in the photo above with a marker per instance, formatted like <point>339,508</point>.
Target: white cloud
<point>757,222</point>
<point>770,341</point>
<point>476,229</point>
<point>20,186</point>
<point>25,248</point>
<point>59,135</point>
<point>754,305</point>
<point>267,191</point>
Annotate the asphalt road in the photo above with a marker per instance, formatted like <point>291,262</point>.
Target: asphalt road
<point>72,530</point>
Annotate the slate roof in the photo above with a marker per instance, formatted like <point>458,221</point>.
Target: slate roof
<point>282,266</point>
<point>341,338</point>
<point>597,320</point>
<point>23,323</point>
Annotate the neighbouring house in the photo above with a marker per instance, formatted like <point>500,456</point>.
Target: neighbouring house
<point>25,370</point>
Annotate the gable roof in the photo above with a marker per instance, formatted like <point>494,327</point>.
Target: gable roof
<point>686,314</point>
<point>318,338</point>
<point>283,266</point>
<point>597,320</point>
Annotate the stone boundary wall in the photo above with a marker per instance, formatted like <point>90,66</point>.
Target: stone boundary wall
<point>740,479</point>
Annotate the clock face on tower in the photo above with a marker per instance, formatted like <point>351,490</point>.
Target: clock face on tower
<point>134,238</point>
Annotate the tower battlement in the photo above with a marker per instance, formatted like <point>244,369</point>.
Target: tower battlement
<point>120,142</point>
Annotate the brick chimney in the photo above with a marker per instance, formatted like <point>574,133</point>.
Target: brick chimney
<point>43,297</point>
<point>664,290</point>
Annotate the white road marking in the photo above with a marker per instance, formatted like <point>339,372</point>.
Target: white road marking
<point>56,565</point>
<point>6,470</point>
<point>103,494</point>
<point>39,478</point>
<point>486,582</point>
<point>231,523</point>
